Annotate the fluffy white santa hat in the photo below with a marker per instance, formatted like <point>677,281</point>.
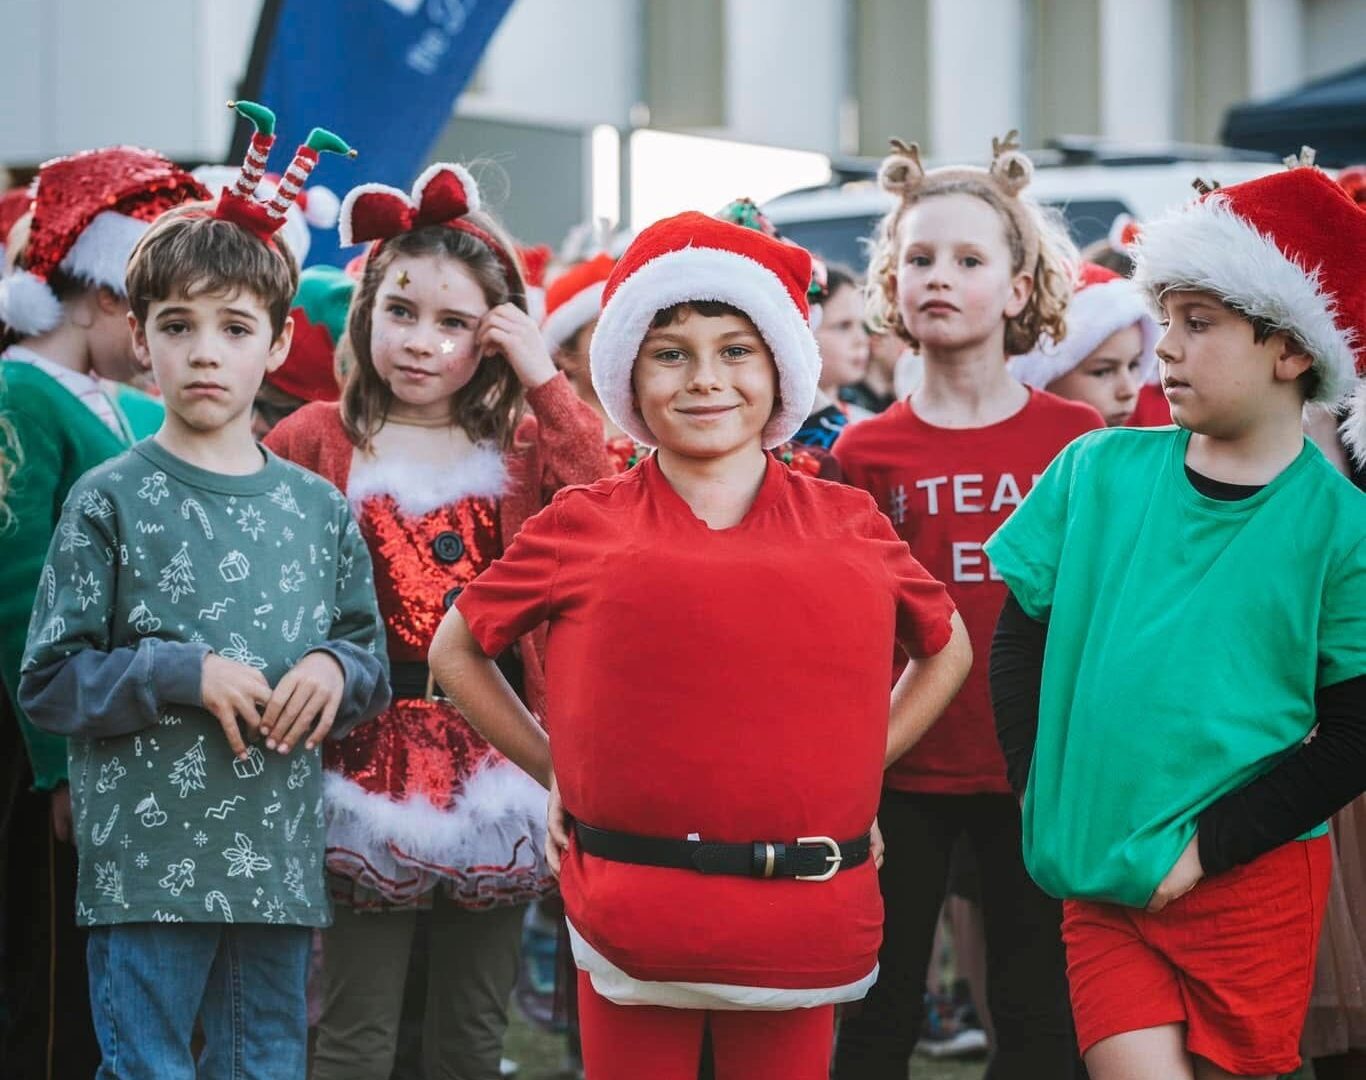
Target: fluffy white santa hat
<point>573,298</point>
<point>696,257</point>
<point>1288,249</point>
<point>1104,303</point>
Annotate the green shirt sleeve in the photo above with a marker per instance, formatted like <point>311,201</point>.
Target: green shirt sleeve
<point>1026,550</point>
<point>356,637</point>
<point>33,501</point>
<point>1342,621</point>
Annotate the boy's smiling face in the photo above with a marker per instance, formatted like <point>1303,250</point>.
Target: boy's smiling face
<point>1219,380</point>
<point>210,354</point>
<point>706,386</point>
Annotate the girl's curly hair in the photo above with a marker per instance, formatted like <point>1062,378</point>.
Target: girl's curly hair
<point>1037,237</point>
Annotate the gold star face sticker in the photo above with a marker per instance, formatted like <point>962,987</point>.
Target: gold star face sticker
<point>403,279</point>
<point>448,346</point>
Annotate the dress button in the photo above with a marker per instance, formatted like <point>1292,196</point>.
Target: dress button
<point>450,597</point>
<point>448,547</point>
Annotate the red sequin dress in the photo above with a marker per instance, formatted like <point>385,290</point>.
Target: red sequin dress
<point>418,799</point>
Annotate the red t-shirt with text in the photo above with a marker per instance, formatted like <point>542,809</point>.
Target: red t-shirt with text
<point>946,490</point>
<point>731,684</point>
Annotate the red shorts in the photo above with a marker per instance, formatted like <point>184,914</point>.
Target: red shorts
<point>1233,960</point>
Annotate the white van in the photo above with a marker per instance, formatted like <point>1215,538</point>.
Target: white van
<point>1089,181</point>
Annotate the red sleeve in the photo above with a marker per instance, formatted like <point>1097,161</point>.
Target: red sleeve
<point>515,594</point>
<point>568,434</point>
<point>923,607</point>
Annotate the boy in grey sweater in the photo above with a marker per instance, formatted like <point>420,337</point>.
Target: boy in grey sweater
<point>205,619</point>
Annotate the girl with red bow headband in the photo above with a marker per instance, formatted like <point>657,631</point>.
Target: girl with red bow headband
<point>453,428</point>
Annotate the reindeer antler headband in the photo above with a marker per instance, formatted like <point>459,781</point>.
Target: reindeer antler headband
<point>239,205</point>
<point>445,194</point>
<point>902,174</point>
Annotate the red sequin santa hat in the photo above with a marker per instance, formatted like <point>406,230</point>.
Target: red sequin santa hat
<point>89,211</point>
<point>1103,304</point>
<point>696,257</point>
<point>572,300</point>
<point>1287,249</point>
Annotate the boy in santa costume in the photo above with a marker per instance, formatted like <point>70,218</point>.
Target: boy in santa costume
<point>719,777</point>
<point>1109,352</point>
<point>1202,593</point>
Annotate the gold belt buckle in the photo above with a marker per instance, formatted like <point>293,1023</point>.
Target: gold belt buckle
<point>833,859</point>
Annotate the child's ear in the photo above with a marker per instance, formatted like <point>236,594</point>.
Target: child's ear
<point>1293,361</point>
<point>1021,289</point>
<point>141,353</point>
<point>279,348</point>
<point>110,302</point>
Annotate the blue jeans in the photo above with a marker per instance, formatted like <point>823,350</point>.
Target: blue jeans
<point>149,981</point>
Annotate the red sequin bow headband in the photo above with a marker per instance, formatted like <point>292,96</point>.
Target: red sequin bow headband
<point>444,194</point>
<point>239,205</point>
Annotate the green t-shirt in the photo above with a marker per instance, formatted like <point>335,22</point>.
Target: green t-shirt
<point>1186,640</point>
<point>154,563</point>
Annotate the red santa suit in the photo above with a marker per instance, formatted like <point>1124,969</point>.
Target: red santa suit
<point>689,697</point>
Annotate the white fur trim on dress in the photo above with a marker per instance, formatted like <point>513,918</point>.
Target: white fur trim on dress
<point>1208,247</point>
<point>575,313</point>
<point>1094,314</point>
<point>623,989</point>
<point>27,305</point>
<point>704,274</point>
<point>493,833</point>
<point>419,488</point>
<point>100,253</point>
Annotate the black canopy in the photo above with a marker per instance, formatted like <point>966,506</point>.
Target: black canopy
<point>1328,114</point>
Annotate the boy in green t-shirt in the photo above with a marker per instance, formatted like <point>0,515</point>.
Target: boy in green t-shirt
<point>1202,594</point>
<point>201,594</point>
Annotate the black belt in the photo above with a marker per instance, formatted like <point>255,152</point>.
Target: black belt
<point>409,680</point>
<point>812,858</point>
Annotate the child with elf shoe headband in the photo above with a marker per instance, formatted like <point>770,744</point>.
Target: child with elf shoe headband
<point>205,620</point>
<point>1201,591</point>
<point>710,826</point>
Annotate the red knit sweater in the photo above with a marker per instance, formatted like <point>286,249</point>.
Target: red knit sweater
<point>559,443</point>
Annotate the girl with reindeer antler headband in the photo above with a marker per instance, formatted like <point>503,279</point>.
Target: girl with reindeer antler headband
<point>453,429</point>
<point>968,271</point>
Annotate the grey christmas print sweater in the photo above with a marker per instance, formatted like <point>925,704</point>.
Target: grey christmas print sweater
<point>156,562</point>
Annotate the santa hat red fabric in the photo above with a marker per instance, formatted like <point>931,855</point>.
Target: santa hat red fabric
<point>696,257</point>
<point>1103,304</point>
<point>14,204</point>
<point>572,300</point>
<point>89,211</point>
<point>1287,248</point>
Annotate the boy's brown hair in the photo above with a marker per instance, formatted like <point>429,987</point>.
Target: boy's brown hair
<point>188,252</point>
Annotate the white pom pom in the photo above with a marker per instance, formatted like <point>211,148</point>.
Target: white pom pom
<point>321,207</point>
<point>27,305</point>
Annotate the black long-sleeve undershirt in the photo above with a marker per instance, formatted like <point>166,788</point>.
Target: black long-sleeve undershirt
<point>1305,788</point>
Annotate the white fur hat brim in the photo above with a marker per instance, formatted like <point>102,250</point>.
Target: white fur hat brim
<point>700,273</point>
<point>1209,248</point>
<point>571,316</point>
<point>27,305</point>
<point>1095,313</point>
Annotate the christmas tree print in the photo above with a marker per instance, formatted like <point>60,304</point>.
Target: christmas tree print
<point>177,576</point>
<point>94,504</point>
<point>283,497</point>
<point>294,879</point>
<point>109,882</point>
<point>188,770</point>
<point>154,488</point>
<point>242,858</point>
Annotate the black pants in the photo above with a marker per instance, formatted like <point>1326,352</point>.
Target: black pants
<point>1026,972</point>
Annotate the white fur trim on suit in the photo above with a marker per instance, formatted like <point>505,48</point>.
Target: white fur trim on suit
<point>497,821</point>
<point>100,253</point>
<point>1094,314</point>
<point>27,304</point>
<point>576,312</point>
<point>420,488</point>
<point>704,274</point>
<point>1208,247</point>
<point>617,986</point>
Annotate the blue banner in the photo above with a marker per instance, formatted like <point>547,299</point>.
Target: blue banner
<point>382,74</point>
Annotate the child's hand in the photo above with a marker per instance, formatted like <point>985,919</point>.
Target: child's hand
<point>556,828</point>
<point>509,330</point>
<point>1180,879</point>
<point>876,848</point>
<point>311,690</point>
<point>233,692</point>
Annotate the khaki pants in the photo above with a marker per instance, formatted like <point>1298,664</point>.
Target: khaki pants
<point>472,971</point>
